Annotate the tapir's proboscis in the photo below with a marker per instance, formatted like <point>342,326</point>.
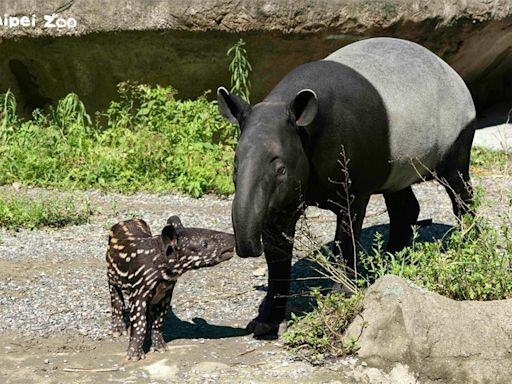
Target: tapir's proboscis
<point>143,269</point>
<point>397,112</point>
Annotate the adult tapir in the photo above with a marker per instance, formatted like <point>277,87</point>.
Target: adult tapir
<point>398,113</point>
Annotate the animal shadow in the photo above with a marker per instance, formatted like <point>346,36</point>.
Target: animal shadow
<point>175,328</point>
<point>426,234</point>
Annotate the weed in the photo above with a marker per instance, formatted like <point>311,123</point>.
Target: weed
<point>319,334</point>
<point>485,161</point>
<point>240,67</point>
<point>329,266</point>
<point>150,141</point>
<point>133,213</point>
<point>474,262</point>
<point>70,113</point>
<point>25,212</point>
<point>114,206</point>
<point>8,114</point>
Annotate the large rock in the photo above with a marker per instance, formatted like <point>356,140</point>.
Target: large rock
<point>441,340</point>
<point>184,42</point>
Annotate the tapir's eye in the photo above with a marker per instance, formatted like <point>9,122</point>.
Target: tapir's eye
<point>281,170</point>
<point>279,166</point>
<point>204,244</point>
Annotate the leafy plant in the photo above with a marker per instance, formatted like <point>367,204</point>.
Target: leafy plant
<point>473,263</point>
<point>24,212</point>
<point>240,68</point>
<point>145,140</point>
<point>8,112</point>
<point>70,112</point>
<point>318,335</point>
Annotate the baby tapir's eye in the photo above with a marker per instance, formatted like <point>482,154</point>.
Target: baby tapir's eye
<point>204,244</point>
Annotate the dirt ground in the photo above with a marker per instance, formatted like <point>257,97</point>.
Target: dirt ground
<point>60,359</point>
<point>54,303</point>
<point>200,350</point>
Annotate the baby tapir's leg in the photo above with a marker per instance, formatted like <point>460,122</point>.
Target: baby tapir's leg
<point>138,327</point>
<point>158,312</point>
<point>117,326</point>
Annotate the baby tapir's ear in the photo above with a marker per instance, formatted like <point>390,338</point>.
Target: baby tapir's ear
<point>169,239</point>
<point>175,221</point>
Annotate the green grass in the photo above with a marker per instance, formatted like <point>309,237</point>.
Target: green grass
<point>146,140</point>
<point>485,161</point>
<point>318,335</point>
<point>32,213</point>
<point>474,262</point>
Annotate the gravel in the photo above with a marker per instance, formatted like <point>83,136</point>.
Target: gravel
<point>54,281</point>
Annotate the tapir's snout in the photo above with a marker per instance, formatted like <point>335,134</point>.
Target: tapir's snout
<point>227,247</point>
<point>249,248</point>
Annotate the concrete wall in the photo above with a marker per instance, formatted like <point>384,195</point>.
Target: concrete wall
<point>184,43</point>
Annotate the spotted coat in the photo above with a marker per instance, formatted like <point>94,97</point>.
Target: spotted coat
<point>142,270</point>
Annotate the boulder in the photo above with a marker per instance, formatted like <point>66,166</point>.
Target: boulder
<point>439,339</point>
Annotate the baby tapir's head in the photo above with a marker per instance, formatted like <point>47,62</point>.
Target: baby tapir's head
<point>129,229</point>
<point>191,248</point>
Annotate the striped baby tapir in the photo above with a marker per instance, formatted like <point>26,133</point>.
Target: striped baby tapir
<point>143,269</point>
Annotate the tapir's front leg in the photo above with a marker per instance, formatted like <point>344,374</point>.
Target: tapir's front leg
<point>138,327</point>
<point>158,312</point>
<point>278,244</point>
<point>117,326</point>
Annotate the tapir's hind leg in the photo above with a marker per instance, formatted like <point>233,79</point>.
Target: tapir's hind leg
<point>454,173</point>
<point>403,211</point>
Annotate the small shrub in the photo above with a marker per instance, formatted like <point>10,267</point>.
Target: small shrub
<point>318,335</point>
<point>149,141</point>
<point>473,263</point>
<point>31,213</point>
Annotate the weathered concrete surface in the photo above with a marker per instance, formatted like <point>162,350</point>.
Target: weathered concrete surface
<point>440,340</point>
<point>184,42</point>
<point>299,16</point>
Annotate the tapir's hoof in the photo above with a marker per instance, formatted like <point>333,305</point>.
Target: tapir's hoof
<point>135,357</point>
<point>158,349</point>
<point>117,327</point>
<point>158,345</point>
<point>117,332</point>
<point>264,331</point>
<point>135,353</point>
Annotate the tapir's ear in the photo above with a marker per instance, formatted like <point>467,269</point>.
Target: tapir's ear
<point>231,107</point>
<point>175,221</point>
<point>169,239</point>
<point>304,107</point>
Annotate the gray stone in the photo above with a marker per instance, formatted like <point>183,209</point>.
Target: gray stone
<point>439,339</point>
<point>498,137</point>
